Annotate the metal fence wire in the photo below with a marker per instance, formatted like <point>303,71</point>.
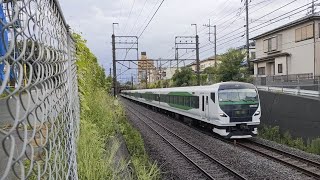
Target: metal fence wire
<point>39,105</point>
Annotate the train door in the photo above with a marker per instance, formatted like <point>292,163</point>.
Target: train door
<point>204,107</point>
<point>207,107</point>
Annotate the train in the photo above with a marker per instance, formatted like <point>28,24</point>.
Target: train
<point>231,109</point>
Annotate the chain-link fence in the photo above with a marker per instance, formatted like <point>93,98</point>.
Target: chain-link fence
<point>39,105</point>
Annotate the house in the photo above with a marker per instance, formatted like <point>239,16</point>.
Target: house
<point>252,51</point>
<point>168,72</point>
<point>209,62</point>
<point>291,49</point>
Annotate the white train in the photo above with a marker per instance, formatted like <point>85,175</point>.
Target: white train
<point>232,109</point>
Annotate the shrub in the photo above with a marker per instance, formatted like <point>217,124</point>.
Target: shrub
<point>273,134</point>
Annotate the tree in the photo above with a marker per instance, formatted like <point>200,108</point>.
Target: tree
<point>182,77</point>
<point>212,74</point>
<point>230,68</point>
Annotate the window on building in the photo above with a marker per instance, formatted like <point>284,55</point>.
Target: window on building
<point>310,31</point>
<point>298,34</point>
<point>304,33</point>
<point>270,44</point>
<point>253,55</point>
<point>280,68</point>
<point>261,71</point>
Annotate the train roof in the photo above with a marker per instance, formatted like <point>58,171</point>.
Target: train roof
<point>223,85</point>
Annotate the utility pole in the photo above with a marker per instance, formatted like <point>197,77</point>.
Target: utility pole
<point>197,55</point>
<point>198,60</point>
<point>215,46</point>
<point>215,40</point>
<point>114,66</point>
<point>247,31</point>
<point>312,7</point>
<point>147,78</point>
<point>110,72</point>
<point>114,61</point>
<point>131,82</point>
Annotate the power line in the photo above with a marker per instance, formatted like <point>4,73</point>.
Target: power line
<point>151,18</point>
<point>135,24</point>
<point>224,37</point>
<point>147,25</point>
<point>126,24</point>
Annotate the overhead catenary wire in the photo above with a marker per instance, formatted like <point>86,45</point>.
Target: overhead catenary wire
<point>126,24</point>
<point>141,10</point>
<point>154,14</point>
<point>145,26</point>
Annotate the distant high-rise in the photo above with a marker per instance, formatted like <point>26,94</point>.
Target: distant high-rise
<point>146,70</point>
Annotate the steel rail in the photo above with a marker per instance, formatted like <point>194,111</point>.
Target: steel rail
<point>229,170</point>
<point>302,164</point>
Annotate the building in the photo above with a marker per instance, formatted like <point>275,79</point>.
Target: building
<point>168,72</point>
<point>146,70</point>
<point>209,62</point>
<point>291,49</point>
<point>252,50</point>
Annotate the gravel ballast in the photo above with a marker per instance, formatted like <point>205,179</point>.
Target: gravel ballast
<point>250,165</point>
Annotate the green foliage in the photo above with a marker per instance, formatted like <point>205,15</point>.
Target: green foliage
<point>274,134</point>
<point>144,169</point>
<point>182,77</point>
<point>203,79</point>
<point>314,146</point>
<point>100,116</point>
<point>230,68</point>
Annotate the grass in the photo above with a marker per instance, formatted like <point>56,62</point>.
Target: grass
<point>274,134</point>
<point>143,168</point>
<point>101,119</point>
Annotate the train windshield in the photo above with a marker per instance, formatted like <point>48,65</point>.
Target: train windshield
<point>238,96</point>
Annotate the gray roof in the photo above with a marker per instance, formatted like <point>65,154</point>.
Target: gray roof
<point>289,25</point>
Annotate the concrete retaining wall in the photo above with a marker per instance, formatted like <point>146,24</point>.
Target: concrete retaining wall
<point>299,115</point>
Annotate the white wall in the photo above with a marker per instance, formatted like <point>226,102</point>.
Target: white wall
<point>169,72</point>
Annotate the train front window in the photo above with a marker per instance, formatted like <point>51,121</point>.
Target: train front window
<point>238,96</point>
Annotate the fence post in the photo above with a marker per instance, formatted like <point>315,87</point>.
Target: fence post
<point>71,149</point>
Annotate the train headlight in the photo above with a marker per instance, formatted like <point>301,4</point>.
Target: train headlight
<point>257,113</point>
<point>223,115</point>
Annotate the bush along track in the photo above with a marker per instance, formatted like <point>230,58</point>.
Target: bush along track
<point>274,134</point>
<point>102,118</point>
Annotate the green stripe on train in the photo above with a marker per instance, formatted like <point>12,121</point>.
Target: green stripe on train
<point>238,102</point>
<point>180,106</point>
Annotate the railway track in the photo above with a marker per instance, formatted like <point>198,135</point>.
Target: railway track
<point>210,167</point>
<point>303,165</point>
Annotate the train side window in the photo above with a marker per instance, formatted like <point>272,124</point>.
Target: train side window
<point>207,99</point>
<point>192,102</point>
<point>181,101</point>
<point>213,97</point>
<point>195,102</point>
<point>187,101</point>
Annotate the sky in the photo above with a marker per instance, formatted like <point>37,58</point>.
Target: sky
<point>94,18</point>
